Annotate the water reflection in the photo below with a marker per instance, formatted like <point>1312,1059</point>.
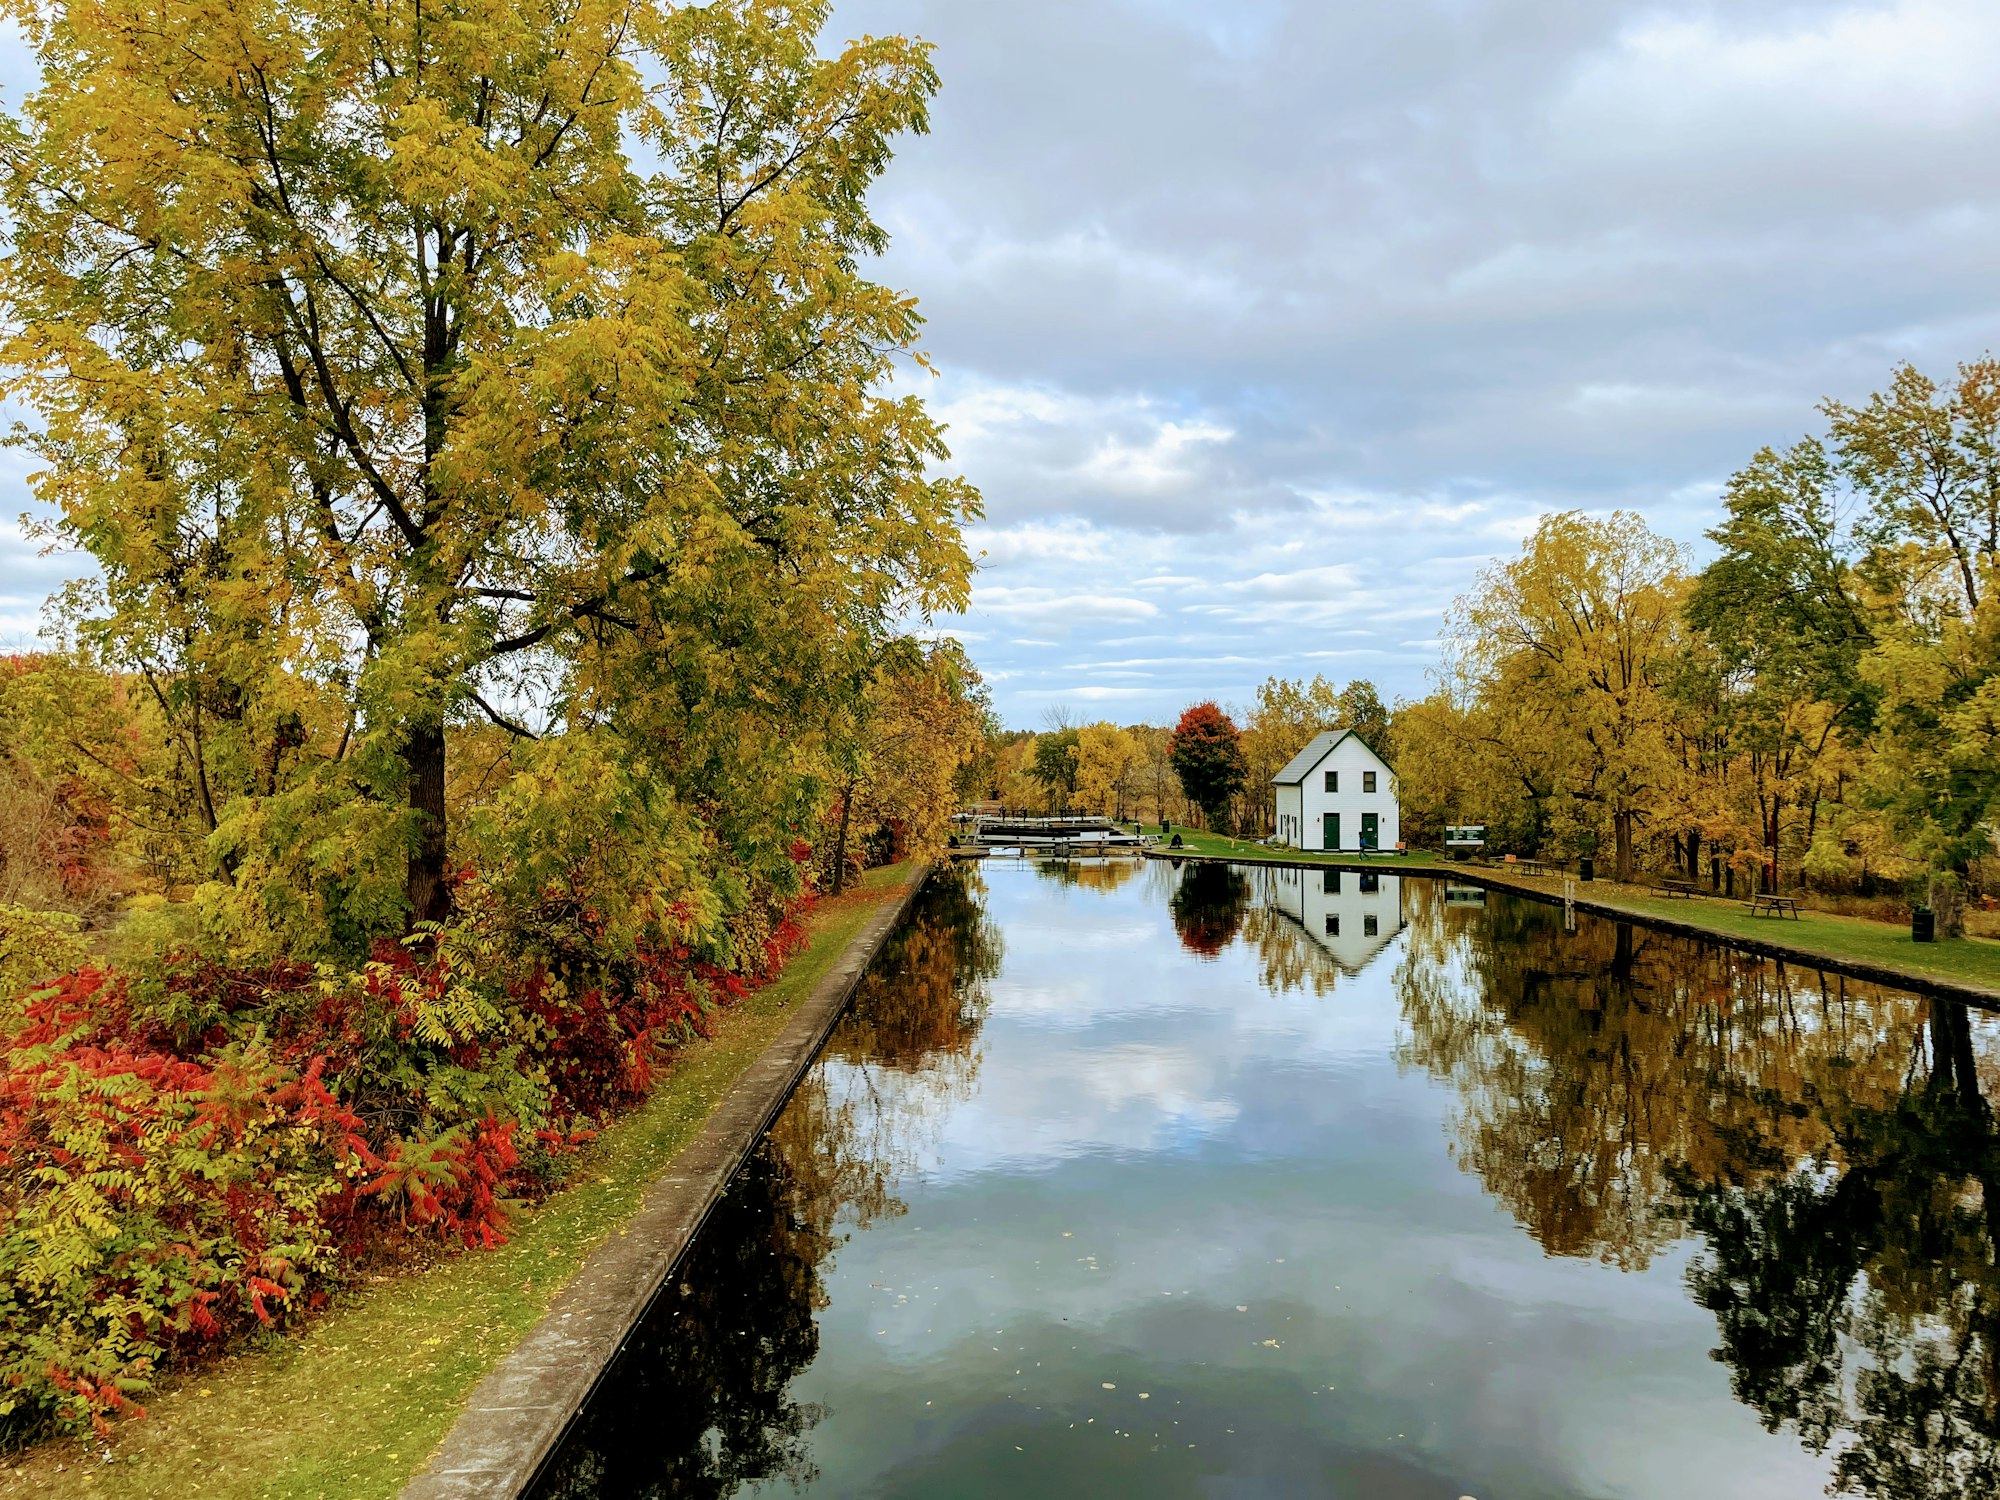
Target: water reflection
<point>1831,1146</point>
<point>1208,906</point>
<point>698,1404</point>
<point>1230,1142</point>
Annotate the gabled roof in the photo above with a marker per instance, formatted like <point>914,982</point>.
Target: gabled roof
<point>1300,766</point>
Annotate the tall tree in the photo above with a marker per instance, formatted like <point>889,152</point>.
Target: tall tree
<point>1925,459</point>
<point>1779,611</point>
<point>1363,711</point>
<point>367,359</point>
<point>925,721</point>
<point>1207,755</point>
<point>1054,766</point>
<point>1105,756</point>
<point>1572,642</point>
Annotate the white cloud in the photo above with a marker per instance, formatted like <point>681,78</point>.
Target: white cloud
<point>1050,606</point>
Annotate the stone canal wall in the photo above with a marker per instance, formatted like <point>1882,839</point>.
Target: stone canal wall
<point>518,1414</point>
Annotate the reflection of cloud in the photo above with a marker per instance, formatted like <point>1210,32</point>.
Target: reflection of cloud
<point>1230,1195</point>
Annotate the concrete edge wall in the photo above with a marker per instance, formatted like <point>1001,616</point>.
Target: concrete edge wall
<point>1895,979</point>
<point>518,1414</point>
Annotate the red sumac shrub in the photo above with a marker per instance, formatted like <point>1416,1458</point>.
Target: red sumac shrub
<point>150,1202</point>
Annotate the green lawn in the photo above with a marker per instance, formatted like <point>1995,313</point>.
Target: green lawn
<point>1974,961</point>
<point>354,1406</point>
<point>1216,843</point>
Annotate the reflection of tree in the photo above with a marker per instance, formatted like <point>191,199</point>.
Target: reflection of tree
<point>1208,905</point>
<point>1286,956</point>
<point>698,1403</point>
<point>1831,1144</point>
<point>905,1052</point>
<point>1857,1298</point>
<point>925,996</point>
<point>1090,874</point>
<point>1589,1062</point>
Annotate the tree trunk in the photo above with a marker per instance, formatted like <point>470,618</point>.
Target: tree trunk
<point>1621,827</point>
<point>840,841</point>
<point>428,886</point>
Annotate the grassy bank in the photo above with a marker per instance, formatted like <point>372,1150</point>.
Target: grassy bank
<point>1220,844</point>
<point>1972,962</point>
<point>352,1407</point>
<point>1862,940</point>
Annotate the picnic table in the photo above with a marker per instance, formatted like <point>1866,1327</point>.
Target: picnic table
<point>1680,888</point>
<point>1774,906</point>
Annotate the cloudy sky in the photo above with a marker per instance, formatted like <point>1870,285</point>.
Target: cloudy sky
<point>1264,326</point>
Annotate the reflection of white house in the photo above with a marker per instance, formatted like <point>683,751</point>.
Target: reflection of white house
<point>1337,794</point>
<point>1350,913</point>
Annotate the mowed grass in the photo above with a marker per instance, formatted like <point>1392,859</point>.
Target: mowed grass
<point>1229,848</point>
<point>353,1406</point>
<point>1970,961</point>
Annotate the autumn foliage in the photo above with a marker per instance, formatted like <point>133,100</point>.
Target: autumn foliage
<point>501,542</point>
<point>1207,755</point>
<point>207,1148</point>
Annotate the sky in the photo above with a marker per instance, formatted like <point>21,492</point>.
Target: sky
<point>1264,327</point>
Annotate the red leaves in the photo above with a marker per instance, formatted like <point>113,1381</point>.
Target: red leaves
<point>206,1153</point>
<point>453,1181</point>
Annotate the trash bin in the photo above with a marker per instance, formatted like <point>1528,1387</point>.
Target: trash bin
<point>1923,925</point>
<point>1586,868</point>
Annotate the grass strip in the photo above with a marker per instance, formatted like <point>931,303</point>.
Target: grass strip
<point>1229,848</point>
<point>350,1408</point>
<point>1969,961</point>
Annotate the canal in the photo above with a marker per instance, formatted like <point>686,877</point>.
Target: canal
<point>1128,1179</point>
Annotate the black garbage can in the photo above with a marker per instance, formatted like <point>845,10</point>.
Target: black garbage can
<point>1586,868</point>
<point>1923,925</point>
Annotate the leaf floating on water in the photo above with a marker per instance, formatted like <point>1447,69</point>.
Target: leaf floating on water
<point>1241,1308</point>
<point>1109,1386</point>
<point>1272,1344</point>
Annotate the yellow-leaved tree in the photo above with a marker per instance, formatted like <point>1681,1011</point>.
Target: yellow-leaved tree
<point>1106,759</point>
<point>925,719</point>
<point>400,367</point>
<point>1568,649</point>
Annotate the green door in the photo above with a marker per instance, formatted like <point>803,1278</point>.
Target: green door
<point>1370,830</point>
<point>1330,831</point>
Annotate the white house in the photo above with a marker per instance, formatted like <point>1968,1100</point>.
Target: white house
<point>1337,794</point>
<point>1352,914</point>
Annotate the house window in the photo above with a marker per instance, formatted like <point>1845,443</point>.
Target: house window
<point>1332,925</point>
<point>1368,926</point>
<point>1370,882</point>
<point>1329,882</point>
<point>1367,781</point>
<point>1333,781</point>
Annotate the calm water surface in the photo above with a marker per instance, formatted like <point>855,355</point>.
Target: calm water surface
<point>1133,1180</point>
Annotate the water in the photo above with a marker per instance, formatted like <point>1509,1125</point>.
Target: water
<point>1128,1180</point>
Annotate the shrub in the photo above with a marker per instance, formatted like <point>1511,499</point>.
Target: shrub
<point>36,946</point>
<point>152,1202</point>
<point>203,1146</point>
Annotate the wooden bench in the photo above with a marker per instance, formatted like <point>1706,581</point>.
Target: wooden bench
<point>1774,906</point>
<point>1680,888</point>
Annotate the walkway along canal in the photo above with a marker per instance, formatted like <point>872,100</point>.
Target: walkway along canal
<point>1123,1179</point>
